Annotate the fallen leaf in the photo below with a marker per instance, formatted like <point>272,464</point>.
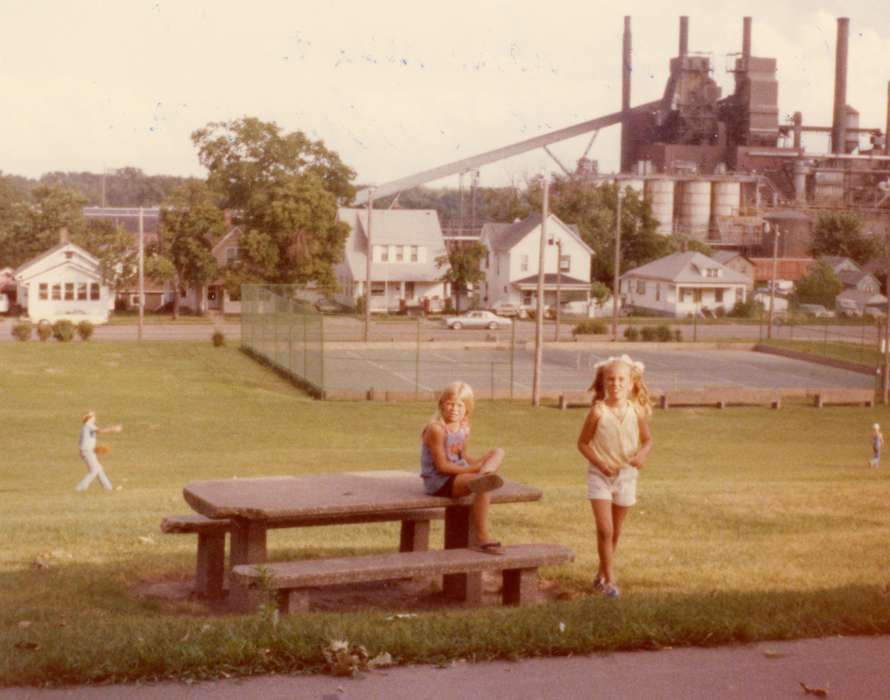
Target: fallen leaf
<point>818,692</point>
<point>146,539</point>
<point>382,660</point>
<point>562,626</point>
<point>24,624</point>
<point>27,646</point>
<point>773,654</point>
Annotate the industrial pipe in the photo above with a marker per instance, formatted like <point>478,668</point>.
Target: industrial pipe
<point>839,123</point>
<point>684,36</point>
<point>626,138</point>
<point>746,41</point>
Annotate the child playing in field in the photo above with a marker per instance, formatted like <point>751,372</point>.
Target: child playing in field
<point>448,470</point>
<point>87,444</point>
<point>615,440</point>
<point>877,444</point>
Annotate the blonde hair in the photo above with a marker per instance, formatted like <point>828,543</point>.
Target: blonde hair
<point>457,390</point>
<point>639,392</point>
<point>86,416</point>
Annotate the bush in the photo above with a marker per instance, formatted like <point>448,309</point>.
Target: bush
<point>589,327</point>
<point>720,311</point>
<point>663,333</point>
<point>746,309</point>
<point>218,338</point>
<point>449,306</point>
<point>632,334</point>
<point>22,330</point>
<point>648,333</point>
<point>85,330</point>
<point>63,331</point>
<point>44,331</point>
<point>360,306</point>
<point>678,335</point>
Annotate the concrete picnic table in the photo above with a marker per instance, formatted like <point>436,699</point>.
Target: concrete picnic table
<point>257,503</point>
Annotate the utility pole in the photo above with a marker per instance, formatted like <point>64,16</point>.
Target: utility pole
<point>368,257</point>
<point>772,288</point>
<point>141,268</point>
<point>617,263</point>
<point>558,243</point>
<point>539,315</point>
<point>885,375</point>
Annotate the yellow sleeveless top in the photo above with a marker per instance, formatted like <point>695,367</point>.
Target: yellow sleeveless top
<point>617,436</point>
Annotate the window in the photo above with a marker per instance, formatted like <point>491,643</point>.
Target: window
<point>712,272</point>
<point>718,295</point>
<point>409,290</point>
<point>641,287</point>
<point>400,253</point>
<point>696,296</point>
<point>657,292</point>
<point>384,253</point>
<point>378,289</point>
<point>523,263</point>
<point>57,291</point>
<point>81,291</point>
<point>69,291</point>
<point>565,263</point>
<point>414,253</point>
<point>231,254</point>
<point>43,292</point>
<point>94,291</point>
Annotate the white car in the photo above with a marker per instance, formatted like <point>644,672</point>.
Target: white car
<point>476,319</point>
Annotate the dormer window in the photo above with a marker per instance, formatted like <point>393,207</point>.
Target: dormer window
<point>69,254</point>
<point>712,272</point>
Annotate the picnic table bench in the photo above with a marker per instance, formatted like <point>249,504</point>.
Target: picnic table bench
<point>721,397</point>
<point>518,564</point>
<point>211,555</point>
<point>254,505</point>
<point>844,396</point>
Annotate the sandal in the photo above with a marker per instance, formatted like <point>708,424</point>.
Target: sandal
<point>486,482</point>
<point>488,548</point>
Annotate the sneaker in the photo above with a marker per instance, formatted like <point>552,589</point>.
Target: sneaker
<point>610,590</point>
<point>599,584</point>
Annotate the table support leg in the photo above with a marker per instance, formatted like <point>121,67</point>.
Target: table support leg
<point>415,536</point>
<point>248,546</point>
<point>211,565</point>
<point>459,534</point>
<point>520,586</point>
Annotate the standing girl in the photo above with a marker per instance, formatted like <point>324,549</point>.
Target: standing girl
<point>87,445</point>
<point>615,440</point>
<point>448,470</point>
<point>877,443</point>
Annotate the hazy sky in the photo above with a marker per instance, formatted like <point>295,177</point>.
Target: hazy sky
<point>394,87</point>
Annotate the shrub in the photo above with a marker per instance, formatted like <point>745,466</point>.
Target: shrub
<point>85,330</point>
<point>44,331</point>
<point>360,306</point>
<point>663,333</point>
<point>720,311</point>
<point>218,338</point>
<point>678,335</point>
<point>22,330</point>
<point>632,334</point>
<point>589,327</point>
<point>648,333</point>
<point>63,331</point>
<point>746,309</point>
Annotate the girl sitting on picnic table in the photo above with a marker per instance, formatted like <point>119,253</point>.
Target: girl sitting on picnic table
<point>448,470</point>
<point>616,440</point>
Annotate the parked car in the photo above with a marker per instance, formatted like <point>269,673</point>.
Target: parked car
<point>326,306</point>
<point>476,319</point>
<point>507,309</point>
<point>816,310</point>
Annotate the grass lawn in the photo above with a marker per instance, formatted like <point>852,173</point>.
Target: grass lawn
<point>751,524</point>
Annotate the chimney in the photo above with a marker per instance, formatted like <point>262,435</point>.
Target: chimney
<point>746,41</point>
<point>684,36</point>
<point>839,124</point>
<point>626,137</point>
<point>63,234</point>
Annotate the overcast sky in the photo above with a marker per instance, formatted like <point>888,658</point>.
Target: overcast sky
<point>394,87</point>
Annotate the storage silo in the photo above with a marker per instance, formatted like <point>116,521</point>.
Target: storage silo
<point>660,193</point>
<point>726,197</point>
<point>695,208</point>
<point>829,186</point>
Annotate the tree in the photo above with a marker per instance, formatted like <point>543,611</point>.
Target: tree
<point>840,233</point>
<point>819,286</point>
<point>284,190</point>
<point>114,248</point>
<point>191,224</point>
<point>463,267</point>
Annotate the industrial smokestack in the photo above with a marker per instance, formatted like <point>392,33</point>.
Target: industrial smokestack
<point>746,40</point>
<point>626,137</point>
<point>839,124</point>
<point>887,129</point>
<point>684,36</point>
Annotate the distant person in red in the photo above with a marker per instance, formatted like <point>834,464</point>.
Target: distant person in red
<point>87,445</point>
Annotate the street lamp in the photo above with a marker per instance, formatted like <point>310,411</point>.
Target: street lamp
<point>558,243</point>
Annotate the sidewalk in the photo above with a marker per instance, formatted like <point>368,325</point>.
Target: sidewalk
<point>845,667</point>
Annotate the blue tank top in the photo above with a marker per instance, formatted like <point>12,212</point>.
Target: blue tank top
<point>433,479</point>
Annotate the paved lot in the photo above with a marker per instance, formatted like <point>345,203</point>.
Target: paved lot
<point>845,667</point>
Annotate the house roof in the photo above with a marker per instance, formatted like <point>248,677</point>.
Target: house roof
<point>551,279</point>
<point>861,297</point>
<point>850,278</point>
<point>397,226</point>
<point>502,237</point>
<point>686,268</point>
<point>56,248</point>
<point>786,268</point>
<point>724,256</point>
<point>835,261</point>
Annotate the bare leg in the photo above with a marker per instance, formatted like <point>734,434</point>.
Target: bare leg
<point>479,508</point>
<point>605,535</point>
<point>619,513</point>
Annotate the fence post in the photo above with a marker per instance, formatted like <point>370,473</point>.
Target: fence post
<point>417,364</point>
<point>305,347</point>
<point>491,392</point>
<point>321,354</point>
<point>512,352</point>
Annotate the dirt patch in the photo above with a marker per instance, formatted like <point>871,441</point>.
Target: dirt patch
<point>403,595</point>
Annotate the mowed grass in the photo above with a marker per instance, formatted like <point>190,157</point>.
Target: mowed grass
<point>751,524</point>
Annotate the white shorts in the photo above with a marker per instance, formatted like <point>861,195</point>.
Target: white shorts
<point>620,489</point>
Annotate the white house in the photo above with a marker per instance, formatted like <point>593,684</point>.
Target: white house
<point>406,243</point>
<point>63,283</point>
<point>683,283</point>
<point>511,266</point>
